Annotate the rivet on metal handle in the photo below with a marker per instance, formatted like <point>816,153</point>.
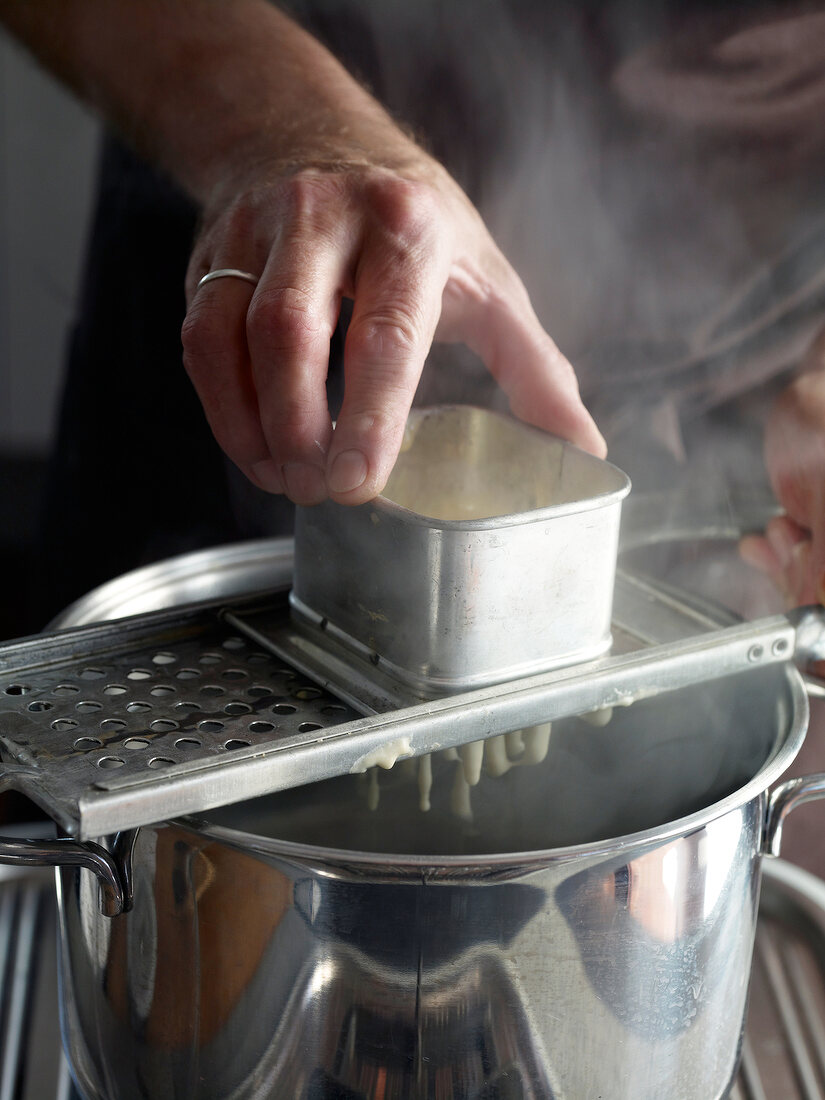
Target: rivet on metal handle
<point>784,799</point>
<point>66,852</point>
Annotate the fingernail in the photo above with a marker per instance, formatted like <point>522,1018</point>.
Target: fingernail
<point>268,475</point>
<point>305,484</point>
<point>348,472</point>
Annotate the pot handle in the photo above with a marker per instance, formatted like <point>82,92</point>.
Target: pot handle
<point>65,852</point>
<point>786,797</point>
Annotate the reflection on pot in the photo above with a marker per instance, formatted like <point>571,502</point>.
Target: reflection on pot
<point>686,910</point>
<point>257,976</point>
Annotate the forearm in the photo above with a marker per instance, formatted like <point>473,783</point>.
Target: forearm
<point>200,85</point>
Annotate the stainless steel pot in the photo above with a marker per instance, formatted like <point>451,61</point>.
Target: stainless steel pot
<point>588,935</point>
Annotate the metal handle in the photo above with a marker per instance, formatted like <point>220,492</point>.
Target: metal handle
<point>809,624</point>
<point>782,800</point>
<point>810,646</point>
<point>66,852</point>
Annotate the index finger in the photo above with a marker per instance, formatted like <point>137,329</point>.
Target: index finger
<point>398,288</point>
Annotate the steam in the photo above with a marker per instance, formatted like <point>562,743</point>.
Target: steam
<point>654,175</point>
<point>654,178</point>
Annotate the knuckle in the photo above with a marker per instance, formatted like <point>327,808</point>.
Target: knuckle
<point>390,333</point>
<point>290,426</point>
<point>286,317</point>
<point>406,209</point>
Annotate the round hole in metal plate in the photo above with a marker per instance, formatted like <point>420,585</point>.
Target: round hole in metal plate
<point>17,689</point>
<point>112,725</point>
<point>40,705</point>
<point>284,708</point>
<point>164,659</point>
<point>66,689</point>
<point>307,693</point>
<point>115,689</point>
<point>138,708</point>
<point>333,708</point>
<point>162,689</point>
<point>308,727</point>
<point>234,674</point>
<point>84,743</point>
<point>188,743</point>
<point>261,727</point>
<point>187,706</point>
<point>236,743</point>
<point>163,725</point>
<point>62,724</point>
<point>136,743</point>
<point>237,708</point>
<point>160,762</point>
<point>210,658</point>
<point>110,762</point>
<point>234,643</point>
<point>86,706</point>
<point>139,674</point>
<point>259,690</point>
<point>187,674</point>
<point>287,673</point>
<point>92,674</point>
<point>212,689</point>
<point>259,659</point>
<point>210,726</point>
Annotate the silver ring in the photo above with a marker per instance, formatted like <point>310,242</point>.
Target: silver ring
<point>228,273</point>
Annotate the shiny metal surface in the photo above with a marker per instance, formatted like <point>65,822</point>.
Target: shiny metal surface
<point>588,933</point>
<point>785,798</point>
<point>95,722</point>
<point>118,725</point>
<point>31,1063</point>
<point>64,852</point>
<point>429,958</point>
<point>693,654</point>
<point>783,1053</point>
<point>220,573</point>
<point>614,975</point>
<point>489,556</point>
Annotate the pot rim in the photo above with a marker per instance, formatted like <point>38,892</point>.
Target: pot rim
<point>769,772</point>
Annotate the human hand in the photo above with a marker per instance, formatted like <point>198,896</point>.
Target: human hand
<point>792,549</point>
<point>411,251</point>
<point>307,183</point>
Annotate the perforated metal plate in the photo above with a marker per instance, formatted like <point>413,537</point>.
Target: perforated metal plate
<point>140,720</point>
<point>101,709</point>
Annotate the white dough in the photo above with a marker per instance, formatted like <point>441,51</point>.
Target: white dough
<point>598,717</point>
<point>373,790</point>
<point>425,782</point>
<point>496,755</point>
<point>515,744</point>
<point>496,761</point>
<point>536,743</point>
<point>384,756</point>
<point>472,757</point>
<point>460,797</point>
